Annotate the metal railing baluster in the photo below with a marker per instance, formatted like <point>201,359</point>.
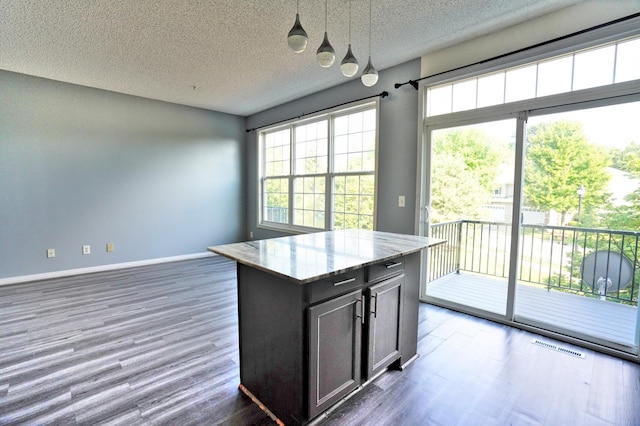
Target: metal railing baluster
<point>472,244</point>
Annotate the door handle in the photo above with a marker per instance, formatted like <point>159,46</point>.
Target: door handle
<point>361,316</point>
<point>375,305</point>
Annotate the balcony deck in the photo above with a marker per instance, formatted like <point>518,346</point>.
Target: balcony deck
<point>608,323</point>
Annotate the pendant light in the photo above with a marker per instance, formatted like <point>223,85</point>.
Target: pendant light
<point>349,65</point>
<point>297,38</point>
<point>369,75</point>
<point>325,54</point>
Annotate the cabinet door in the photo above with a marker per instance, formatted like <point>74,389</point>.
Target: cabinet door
<point>335,342</point>
<point>385,324</point>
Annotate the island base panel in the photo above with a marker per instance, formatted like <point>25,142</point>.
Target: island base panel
<point>274,330</point>
<point>271,328</point>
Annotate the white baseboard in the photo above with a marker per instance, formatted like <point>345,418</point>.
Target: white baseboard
<point>101,268</point>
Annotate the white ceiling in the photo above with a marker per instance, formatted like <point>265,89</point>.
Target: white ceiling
<point>231,55</point>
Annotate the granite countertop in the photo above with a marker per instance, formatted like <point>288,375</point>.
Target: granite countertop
<point>310,257</point>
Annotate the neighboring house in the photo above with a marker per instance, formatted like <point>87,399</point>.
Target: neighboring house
<point>621,185</point>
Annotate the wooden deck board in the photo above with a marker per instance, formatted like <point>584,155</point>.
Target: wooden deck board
<point>580,316</point>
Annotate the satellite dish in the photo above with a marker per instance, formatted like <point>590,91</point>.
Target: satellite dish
<point>606,271</point>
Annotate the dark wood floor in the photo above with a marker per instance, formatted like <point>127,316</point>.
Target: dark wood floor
<point>158,345</point>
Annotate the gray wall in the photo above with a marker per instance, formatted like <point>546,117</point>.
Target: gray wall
<point>86,166</point>
<point>398,130</point>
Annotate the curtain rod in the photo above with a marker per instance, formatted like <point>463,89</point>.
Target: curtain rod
<point>382,95</point>
<point>414,83</point>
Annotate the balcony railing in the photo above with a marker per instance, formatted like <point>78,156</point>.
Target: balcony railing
<point>550,256</point>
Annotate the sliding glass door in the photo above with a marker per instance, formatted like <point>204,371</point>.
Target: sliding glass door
<point>564,184</point>
<point>578,264</point>
<point>471,202</point>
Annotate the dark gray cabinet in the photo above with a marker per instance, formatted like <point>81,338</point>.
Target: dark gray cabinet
<point>335,336</point>
<point>384,324</point>
<point>337,345</point>
<point>305,347</point>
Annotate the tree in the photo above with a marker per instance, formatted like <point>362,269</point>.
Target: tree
<point>456,192</point>
<point>627,159</point>
<point>465,164</point>
<point>479,153</point>
<point>559,160</point>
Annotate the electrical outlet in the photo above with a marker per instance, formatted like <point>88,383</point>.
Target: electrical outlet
<point>401,201</point>
<point>251,234</point>
<point>51,253</point>
<point>86,249</point>
<point>110,247</point>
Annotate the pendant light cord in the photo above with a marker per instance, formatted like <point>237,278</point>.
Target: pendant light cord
<point>369,28</point>
<point>349,21</point>
<point>326,14</point>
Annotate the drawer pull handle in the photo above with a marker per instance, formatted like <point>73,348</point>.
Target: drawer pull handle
<point>347,281</point>
<point>392,265</point>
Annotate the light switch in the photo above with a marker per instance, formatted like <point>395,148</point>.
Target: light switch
<point>401,201</point>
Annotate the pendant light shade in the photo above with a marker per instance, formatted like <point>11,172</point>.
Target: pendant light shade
<point>349,65</point>
<point>325,54</point>
<point>297,38</point>
<point>369,75</point>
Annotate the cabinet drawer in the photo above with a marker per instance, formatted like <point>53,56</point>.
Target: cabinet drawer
<point>335,285</point>
<point>385,269</point>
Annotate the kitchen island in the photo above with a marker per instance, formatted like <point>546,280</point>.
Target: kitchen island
<point>322,314</point>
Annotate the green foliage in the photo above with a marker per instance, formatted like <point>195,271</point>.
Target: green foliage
<point>353,201</point>
<point>465,163</point>
<point>277,200</point>
<point>456,192</point>
<point>626,217</point>
<point>559,160</point>
<point>480,154</point>
<point>627,159</point>
<point>309,201</point>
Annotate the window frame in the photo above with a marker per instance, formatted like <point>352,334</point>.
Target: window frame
<point>329,115</point>
<point>572,71</point>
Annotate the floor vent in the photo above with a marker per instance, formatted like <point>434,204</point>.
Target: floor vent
<point>558,348</point>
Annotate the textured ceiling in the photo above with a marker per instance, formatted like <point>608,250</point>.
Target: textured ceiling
<point>231,55</point>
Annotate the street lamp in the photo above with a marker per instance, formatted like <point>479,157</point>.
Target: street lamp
<point>581,191</point>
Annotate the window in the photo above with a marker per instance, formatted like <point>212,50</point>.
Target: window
<point>610,63</point>
<point>319,173</point>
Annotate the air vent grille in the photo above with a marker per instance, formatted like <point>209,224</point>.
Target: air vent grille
<point>558,348</point>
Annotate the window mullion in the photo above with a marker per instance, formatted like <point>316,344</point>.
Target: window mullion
<point>328,181</point>
<point>292,168</point>
<point>615,64</point>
